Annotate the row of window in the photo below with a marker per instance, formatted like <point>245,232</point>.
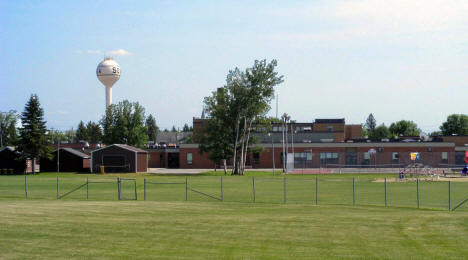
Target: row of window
<point>307,156</point>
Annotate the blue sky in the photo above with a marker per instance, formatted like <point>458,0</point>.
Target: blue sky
<point>398,59</point>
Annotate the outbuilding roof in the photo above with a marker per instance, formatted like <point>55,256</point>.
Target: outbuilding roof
<point>123,146</point>
<point>74,152</point>
<point>329,121</point>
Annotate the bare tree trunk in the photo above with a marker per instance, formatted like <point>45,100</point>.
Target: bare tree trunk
<point>33,163</point>
<point>225,166</point>
<point>234,165</point>
<point>247,143</point>
<point>242,161</point>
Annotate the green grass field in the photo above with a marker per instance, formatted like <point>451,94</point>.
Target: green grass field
<point>167,226</point>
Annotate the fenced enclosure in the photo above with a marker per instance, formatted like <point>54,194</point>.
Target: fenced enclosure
<point>336,189</point>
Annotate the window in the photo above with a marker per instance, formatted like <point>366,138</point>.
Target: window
<point>256,158</point>
<point>444,157</point>
<point>327,158</point>
<point>189,158</point>
<point>366,156</point>
<point>330,128</point>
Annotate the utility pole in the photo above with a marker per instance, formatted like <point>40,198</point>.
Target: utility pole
<point>58,154</point>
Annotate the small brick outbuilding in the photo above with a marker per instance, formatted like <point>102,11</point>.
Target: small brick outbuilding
<point>119,158</point>
<point>71,160</point>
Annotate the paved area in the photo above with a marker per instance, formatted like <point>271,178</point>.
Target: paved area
<point>177,171</point>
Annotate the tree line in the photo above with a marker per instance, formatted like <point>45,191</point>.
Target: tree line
<point>124,122</point>
<point>456,124</point>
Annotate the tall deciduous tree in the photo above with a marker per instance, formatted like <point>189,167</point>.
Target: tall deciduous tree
<point>404,128</point>
<point>245,97</point>
<point>455,124</point>
<point>216,138</point>
<point>8,133</point>
<point>125,123</point>
<point>381,131</point>
<point>81,132</point>
<point>153,129</point>
<point>33,141</point>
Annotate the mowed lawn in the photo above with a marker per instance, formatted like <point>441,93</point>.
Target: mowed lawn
<point>45,229</point>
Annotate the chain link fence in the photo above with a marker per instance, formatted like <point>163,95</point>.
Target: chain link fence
<point>450,193</point>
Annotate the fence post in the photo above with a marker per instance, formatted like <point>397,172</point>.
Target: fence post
<point>144,189</point>
<point>354,192</point>
<point>417,190</point>
<point>385,187</point>
<point>284,189</point>
<point>186,188</point>
<point>26,186</point>
<point>253,188</point>
<point>222,197</point>
<point>87,188</point>
<point>136,194</point>
<point>450,199</point>
<point>316,190</point>
<point>119,195</point>
<point>58,192</point>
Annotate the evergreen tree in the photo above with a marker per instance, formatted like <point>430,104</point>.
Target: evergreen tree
<point>94,132</point>
<point>152,128</point>
<point>82,132</point>
<point>186,128</point>
<point>33,141</point>
<point>174,129</point>
<point>371,123</point>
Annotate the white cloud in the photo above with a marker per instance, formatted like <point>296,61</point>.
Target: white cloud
<point>62,112</point>
<point>119,52</point>
<point>395,20</point>
<point>93,51</point>
<point>78,52</point>
<point>403,16</point>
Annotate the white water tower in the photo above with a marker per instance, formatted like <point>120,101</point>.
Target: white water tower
<point>108,72</point>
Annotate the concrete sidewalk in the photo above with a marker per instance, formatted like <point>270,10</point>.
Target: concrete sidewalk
<point>177,171</point>
<point>195,171</point>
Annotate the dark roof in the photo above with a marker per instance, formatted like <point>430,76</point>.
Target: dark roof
<point>330,121</point>
<point>10,148</point>
<point>74,152</point>
<point>131,148</point>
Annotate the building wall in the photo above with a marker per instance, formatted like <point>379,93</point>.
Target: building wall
<point>323,127</point>
<point>154,160</point>
<point>199,161</point>
<point>353,131</point>
<point>142,162</point>
<point>430,155</point>
<point>460,140</point>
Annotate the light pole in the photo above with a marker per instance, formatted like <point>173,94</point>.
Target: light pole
<point>273,152</point>
<point>292,143</point>
<point>58,154</point>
